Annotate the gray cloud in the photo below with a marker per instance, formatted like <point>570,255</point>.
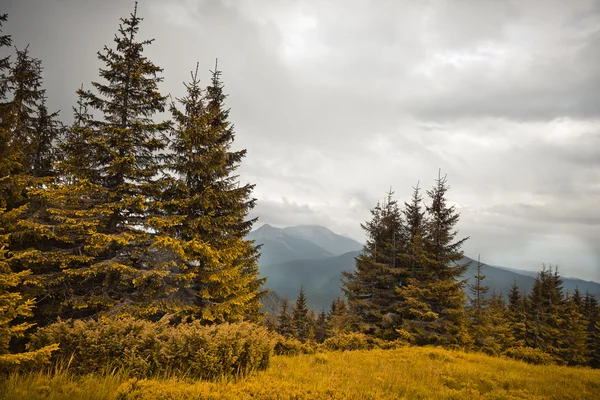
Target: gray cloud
<point>337,101</point>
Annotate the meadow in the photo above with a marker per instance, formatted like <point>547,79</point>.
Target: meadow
<point>404,373</point>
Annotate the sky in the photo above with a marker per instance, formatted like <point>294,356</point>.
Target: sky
<point>336,101</point>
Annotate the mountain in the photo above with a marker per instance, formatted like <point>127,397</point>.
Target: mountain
<point>278,246</point>
<point>322,279</point>
<point>501,279</point>
<point>323,237</point>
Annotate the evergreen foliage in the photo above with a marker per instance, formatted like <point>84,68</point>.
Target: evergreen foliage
<point>284,320</point>
<point>433,308</point>
<point>338,318</point>
<point>207,209</point>
<point>14,308</point>
<point>371,288</point>
<point>301,319</point>
<point>591,312</point>
<point>101,254</point>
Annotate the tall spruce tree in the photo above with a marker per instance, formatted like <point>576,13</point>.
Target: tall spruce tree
<point>573,327</point>
<point>207,209</point>
<point>415,222</point>
<point>478,313</point>
<point>301,319</point>
<point>433,310</point>
<point>371,287</point>
<point>544,320</point>
<point>498,333</point>
<point>285,326</point>
<point>338,318</point>
<point>591,312</point>
<point>14,308</point>
<point>30,135</point>
<point>321,327</point>
<point>517,316</point>
<point>102,255</point>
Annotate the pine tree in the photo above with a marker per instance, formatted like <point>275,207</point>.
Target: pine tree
<point>477,298</point>
<point>433,311</point>
<point>102,255</point>
<point>207,209</point>
<point>544,319</point>
<point>338,318</point>
<point>591,312</point>
<point>284,320</point>
<point>574,335</point>
<point>499,334</point>
<point>14,309</point>
<point>29,134</point>
<point>478,313</point>
<point>371,288</point>
<point>300,318</point>
<point>517,316</point>
<point>415,221</point>
<point>321,327</point>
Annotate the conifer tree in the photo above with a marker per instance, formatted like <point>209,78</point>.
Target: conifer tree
<point>498,334</point>
<point>338,318</point>
<point>321,327</point>
<point>371,287</point>
<point>29,134</point>
<point>102,255</point>
<point>477,298</point>
<point>207,209</point>
<point>433,310</point>
<point>544,313</point>
<point>479,318</point>
<point>14,309</point>
<point>574,335</point>
<point>284,320</point>
<point>517,316</point>
<point>415,221</point>
<point>591,312</point>
<point>301,318</point>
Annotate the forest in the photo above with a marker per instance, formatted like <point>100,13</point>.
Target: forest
<point>123,248</point>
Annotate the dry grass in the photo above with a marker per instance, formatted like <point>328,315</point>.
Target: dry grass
<point>410,373</point>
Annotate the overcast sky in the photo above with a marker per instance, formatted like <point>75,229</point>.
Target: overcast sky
<point>336,101</point>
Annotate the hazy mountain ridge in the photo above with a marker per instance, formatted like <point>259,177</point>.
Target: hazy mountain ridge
<point>278,246</point>
<point>325,238</point>
<point>321,274</point>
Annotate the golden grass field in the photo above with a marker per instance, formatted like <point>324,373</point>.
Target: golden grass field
<point>406,373</point>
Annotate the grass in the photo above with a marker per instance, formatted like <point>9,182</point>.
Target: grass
<point>410,373</point>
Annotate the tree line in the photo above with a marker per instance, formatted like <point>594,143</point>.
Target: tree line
<point>121,211</point>
<point>408,285</point>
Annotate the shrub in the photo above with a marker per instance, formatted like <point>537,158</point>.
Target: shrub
<point>349,341</point>
<point>530,355</point>
<point>288,346</point>
<point>144,348</point>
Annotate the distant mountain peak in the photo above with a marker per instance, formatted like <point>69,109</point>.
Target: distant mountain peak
<point>267,232</point>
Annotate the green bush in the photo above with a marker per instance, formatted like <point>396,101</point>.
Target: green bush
<point>358,341</point>
<point>288,346</point>
<point>529,355</point>
<point>143,348</point>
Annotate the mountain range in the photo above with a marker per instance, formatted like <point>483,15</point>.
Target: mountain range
<point>314,257</point>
